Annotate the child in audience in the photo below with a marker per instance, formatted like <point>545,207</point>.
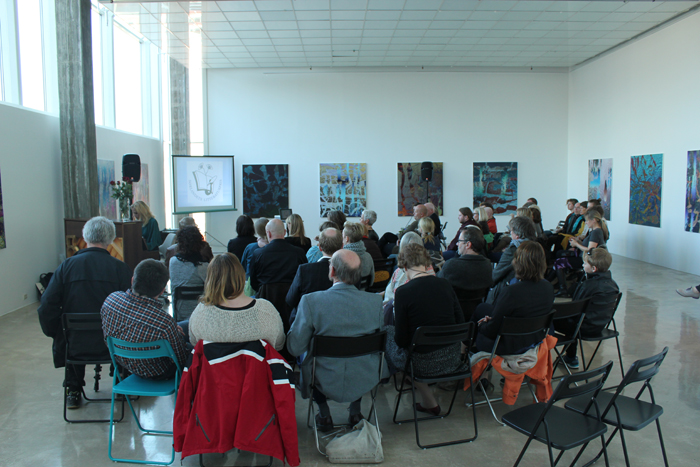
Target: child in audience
<point>600,287</point>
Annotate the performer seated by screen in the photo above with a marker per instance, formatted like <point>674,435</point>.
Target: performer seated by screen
<point>149,229</point>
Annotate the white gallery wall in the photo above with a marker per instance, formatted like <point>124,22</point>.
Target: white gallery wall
<point>303,118</point>
<point>641,99</point>
<point>30,171</point>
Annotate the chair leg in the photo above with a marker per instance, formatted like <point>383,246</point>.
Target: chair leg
<point>522,452</point>
<point>619,355</point>
<point>661,441</point>
<point>624,448</point>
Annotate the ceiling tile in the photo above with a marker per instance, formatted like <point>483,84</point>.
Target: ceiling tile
<point>314,24</point>
<point>347,24</point>
<point>247,25</point>
<point>315,33</point>
<point>217,27</point>
<point>543,25</point>
<point>409,33</point>
<point>479,24</point>
<point>249,42</point>
<point>237,6</point>
<point>349,5</point>
<point>452,15</point>
<point>673,6</point>
<point>347,15</point>
<point>283,25</point>
<point>415,25</point>
<point>586,16</point>
<point>520,16</point>
<point>654,17</point>
<point>533,6</point>
<point>417,15</point>
<point>496,5</point>
<point>381,24</point>
<point>486,15</point>
<point>242,16</point>
<point>295,42</point>
<point>211,17</point>
<point>517,25</point>
<point>459,5</point>
<point>377,32</point>
<point>446,24</point>
<point>283,34</point>
<point>311,5</point>
<point>274,5</point>
<point>636,7</point>
<point>346,33</point>
<point>278,16</point>
<point>260,48</point>
<point>440,33</point>
<point>227,42</point>
<point>252,34</point>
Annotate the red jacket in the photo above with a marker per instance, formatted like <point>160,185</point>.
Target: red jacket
<point>236,395</point>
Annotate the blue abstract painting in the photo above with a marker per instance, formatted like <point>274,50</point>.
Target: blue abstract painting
<point>645,189</point>
<point>600,183</point>
<point>692,193</point>
<point>105,174</point>
<point>343,187</point>
<point>265,189</point>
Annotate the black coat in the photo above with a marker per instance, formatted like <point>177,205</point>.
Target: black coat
<point>80,285</point>
<point>238,244</point>
<point>311,277</point>
<point>602,290</point>
<point>274,263</point>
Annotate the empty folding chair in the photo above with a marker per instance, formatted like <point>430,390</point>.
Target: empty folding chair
<point>606,334</point>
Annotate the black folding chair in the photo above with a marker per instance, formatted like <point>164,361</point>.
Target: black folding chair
<point>383,269</point>
<point>516,327</point>
<point>558,427</point>
<point>469,300</point>
<point>627,413</point>
<point>364,283</point>
<point>439,336</point>
<point>568,311</point>
<point>187,294</point>
<point>345,347</point>
<point>605,334</point>
<point>86,327</point>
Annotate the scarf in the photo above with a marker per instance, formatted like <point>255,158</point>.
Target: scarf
<point>357,247</point>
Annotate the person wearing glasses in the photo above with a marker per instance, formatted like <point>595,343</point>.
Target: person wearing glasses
<point>471,270</point>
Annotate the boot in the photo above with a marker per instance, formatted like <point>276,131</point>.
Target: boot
<point>561,278</point>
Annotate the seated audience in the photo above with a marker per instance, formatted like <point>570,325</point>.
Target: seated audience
<point>426,228</point>
<point>137,316</point>
<point>400,276</point>
<point>558,241</point>
<point>537,219</point>
<point>207,253</point>
<point>352,240</point>
<point>419,212</point>
<point>314,253</point>
<point>277,262</point>
<point>464,217</point>
<point>80,285</point>
<point>471,270</point>
<point>435,218</point>
<point>600,287</point>
<point>313,277</point>
<point>569,221</point>
<point>245,231</point>
<point>341,311</point>
<point>368,218</point>
<point>528,297</point>
<point>481,217</point>
<point>488,207</point>
<point>596,238</point>
<point>226,314</point>
<point>188,268</point>
<point>149,230</point>
<point>295,233</point>
<point>250,249</point>
<point>425,300</point>
<point>521,229</point>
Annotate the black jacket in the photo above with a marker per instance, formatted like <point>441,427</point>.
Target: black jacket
<point>468,272</point>
<point>238,244</point>
<point>602,290</point>
<point>274,263</point>
<point>80,285</point>
<point>311,277</point>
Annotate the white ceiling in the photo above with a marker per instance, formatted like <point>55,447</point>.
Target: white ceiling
<point>393,33</point>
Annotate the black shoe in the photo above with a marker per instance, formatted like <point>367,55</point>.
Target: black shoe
<point>561,293</point>
<point>486,384</point>
<point>73,398</point>
<point>355,419</point>
<point>324,424</point>
<point>571,362</point>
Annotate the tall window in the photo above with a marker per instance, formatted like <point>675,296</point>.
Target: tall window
<point>31,55</point>
<point>127,81</point>
<point>97,66</point>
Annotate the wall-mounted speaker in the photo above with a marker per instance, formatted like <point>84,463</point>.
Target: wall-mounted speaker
<point>131,166</point>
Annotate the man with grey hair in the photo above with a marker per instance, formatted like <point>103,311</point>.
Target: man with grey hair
<point>521,228</point>
<point>138,316</point>
<point>341,311</point>
<point>368,218</point>
<point>80,285</point>
<point>206,251</point>
<point>432,213</point>
<point>352,240</point>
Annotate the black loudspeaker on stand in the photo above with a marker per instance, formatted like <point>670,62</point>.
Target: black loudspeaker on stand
<point>131,167</point>
<point>426,173</point>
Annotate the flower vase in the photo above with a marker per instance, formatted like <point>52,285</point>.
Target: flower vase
<point>124,209</point>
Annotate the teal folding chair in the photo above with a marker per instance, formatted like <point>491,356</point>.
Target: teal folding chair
<point>137,386</point>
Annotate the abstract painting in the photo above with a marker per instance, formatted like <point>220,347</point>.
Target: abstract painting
<point>343,187</point>
<point>142,187</point>
<point>265,189</point>
<point>600,182</point>
<point>3,244</point>
<point>692,193</point>
<point>496,183</point>
<point>413,190</point>
<point>645,190</point>
<point>105,174</point>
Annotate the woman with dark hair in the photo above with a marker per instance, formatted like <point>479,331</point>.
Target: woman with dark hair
<point>424,301</point>
<point>226,314</point>
<point>338,217</point>
<point>245,229</point>
<point>188,268</point>
<point>529,296</point>
<point>295,233</point>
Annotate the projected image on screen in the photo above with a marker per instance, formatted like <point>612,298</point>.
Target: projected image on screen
<point>203,184</point>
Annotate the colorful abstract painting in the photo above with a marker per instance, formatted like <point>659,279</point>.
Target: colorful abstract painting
<point>496,183</point>
<point>413,190</point>
<point>265,189</point>
<point>645,190</point>
<point>692,193</point>
<point>343,187</point>
<point>105,174</point>
<point>600,182</point>
<point>3,243</point>
<point>142,187</point>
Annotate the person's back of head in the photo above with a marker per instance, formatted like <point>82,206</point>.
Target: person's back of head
<point>189,240</point>
<point>523,212</point>
<point>599,258</point>
<point>99,231</point>
<point>185,221</point>
<point>427,227</point>
<point>536,214</point>
<point>523,228</point>
<point>409,238</point>
<point>330,241</point>
<point>598,208</point>
<point>529,262</point>
<point>327,225</point>
<point>345,267</point>
<point>532,200</point>
<point>338,217</point>
<point>275,229</point>
<point>225,279</point>
<point>420,210</point>
<point>245,226</point>
<point>260,225</point>
<point>353,231</point>
<point>489,212</point>
<point>369,216</point>
<point>430,207</point>
<point>150,278</point>
<point>414,255</point>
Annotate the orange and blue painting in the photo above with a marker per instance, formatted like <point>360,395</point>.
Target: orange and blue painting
<point>496,183</point>
<point>645,190</point>
<point>692,193</point>
<point>414,190</point>
<point>343,187</point>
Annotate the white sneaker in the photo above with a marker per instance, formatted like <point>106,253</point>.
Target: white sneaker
<point>689,292</point>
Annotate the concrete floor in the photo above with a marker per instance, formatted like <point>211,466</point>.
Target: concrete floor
<point>651,316</point>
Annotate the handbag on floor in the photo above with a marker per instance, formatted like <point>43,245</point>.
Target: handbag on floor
<point>362,445</point>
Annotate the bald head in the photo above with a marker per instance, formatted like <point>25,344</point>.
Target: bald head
<point>489,212</point>
<point>275,229</point>
<point>430,207</point>
<point>419,211</point>
<point>345,267</point>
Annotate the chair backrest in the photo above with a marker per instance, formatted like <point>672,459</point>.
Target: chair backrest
<point>86,327</point>
<point>141,350</point>
<point>167,242</point>
<point>512,326</point>
<point>383,269</point>
<point>348,347</point>
<point>567,310</point>
<point>188,293</point>
<point>443,335</point>
<point>581,383</point>
<point>364,283</point>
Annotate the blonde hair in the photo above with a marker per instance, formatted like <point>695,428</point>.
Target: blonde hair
<point>225,280</point>
<point>482,213</point>
<point>427,226</point>
<point>144,212</point>
<point>523,212</point>
<point>594,214</point>
<point>296,227</point>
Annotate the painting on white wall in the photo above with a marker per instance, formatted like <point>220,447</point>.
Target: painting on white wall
<point>600,182</point>
<point>142,187</point>
<point>105,174</point>
<point>645,189</point>
<point>414,190</point>
<point>496,183</point>
<point>343,187</point>
<point>692,193</point>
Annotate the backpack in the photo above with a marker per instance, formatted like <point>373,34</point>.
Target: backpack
<point>44,281</point>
